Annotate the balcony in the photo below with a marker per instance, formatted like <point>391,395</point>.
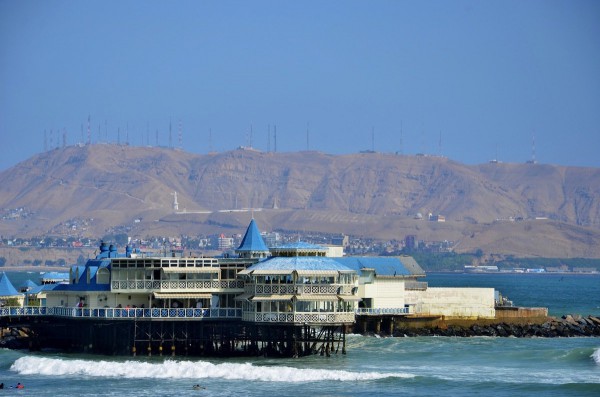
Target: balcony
<point>298,289</point>
<point>173,286</point>
<point>380,312</point>
<point>300,318</point>
<point>119,313</point>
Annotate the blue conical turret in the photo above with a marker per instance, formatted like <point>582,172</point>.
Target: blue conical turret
<point>253,245</point>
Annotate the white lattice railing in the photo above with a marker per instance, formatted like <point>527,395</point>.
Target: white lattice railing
<point>293,289</point>
<point>116,313</point>
<point>313,318</point>
<point>379,312</point>
<point>177,285</point>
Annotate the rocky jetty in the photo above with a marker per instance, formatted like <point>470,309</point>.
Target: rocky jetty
<point>566,326</point>
<point>13,338</point>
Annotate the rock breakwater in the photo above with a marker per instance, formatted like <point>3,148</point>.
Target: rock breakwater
<point>566,326</point>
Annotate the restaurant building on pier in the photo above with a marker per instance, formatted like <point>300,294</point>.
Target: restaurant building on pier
<point>287,300</point>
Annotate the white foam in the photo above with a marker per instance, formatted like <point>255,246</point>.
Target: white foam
<point>188,370</point>
<point>596,356</point>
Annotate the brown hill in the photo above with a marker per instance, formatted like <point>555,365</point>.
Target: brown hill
<point>370,194</point>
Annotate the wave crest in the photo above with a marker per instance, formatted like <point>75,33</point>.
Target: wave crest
<point>188,370</point>
<point>596,356</point>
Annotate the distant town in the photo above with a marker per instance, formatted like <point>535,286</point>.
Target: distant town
<point>432,255</point>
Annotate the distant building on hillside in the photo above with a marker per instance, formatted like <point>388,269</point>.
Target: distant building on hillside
<point>437,218</point>
<point>341,240</point>
<point>409,241</point>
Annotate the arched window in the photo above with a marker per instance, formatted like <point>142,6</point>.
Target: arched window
<point>103,276</point>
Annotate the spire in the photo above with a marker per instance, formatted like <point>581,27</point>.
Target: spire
<point>6,287</point>
<point>252,245</point>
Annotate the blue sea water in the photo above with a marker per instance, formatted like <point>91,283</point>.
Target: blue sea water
<point>423,366</point>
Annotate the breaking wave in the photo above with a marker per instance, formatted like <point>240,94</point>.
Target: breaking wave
<point>596,356</point>
<point>188,370</point>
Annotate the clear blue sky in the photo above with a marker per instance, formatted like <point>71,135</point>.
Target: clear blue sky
<point>485,76</point>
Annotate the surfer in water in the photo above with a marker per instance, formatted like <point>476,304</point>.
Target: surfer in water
<point>198,387</point>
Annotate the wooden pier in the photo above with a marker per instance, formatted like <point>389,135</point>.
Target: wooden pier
<point>177,337</point>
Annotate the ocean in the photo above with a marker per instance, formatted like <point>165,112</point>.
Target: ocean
<point>422,366</point>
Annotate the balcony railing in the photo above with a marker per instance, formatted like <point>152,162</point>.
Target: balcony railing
<point>309,317</point>
<point>23,311</point>
<point>379,312</point>
<point>124,313</point>
<point>295,289</point>
<point>155,285</point>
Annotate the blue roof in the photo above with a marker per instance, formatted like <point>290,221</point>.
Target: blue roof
<point>6,287</point>
<point>383,265</point>
<point>252,241</point>
<point>314,263</point>
<point>28,284</point>
<point>44,287</point>
<point>81,283</point>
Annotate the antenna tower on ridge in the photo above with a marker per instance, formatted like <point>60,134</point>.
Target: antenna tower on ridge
<point>89,131</point>
<point>533,160</point>
<point>180,135</point>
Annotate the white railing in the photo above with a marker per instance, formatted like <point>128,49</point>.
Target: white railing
<point>150,285</point>
<point>309,317</point>
<point>379,312</point>
<point>23,311</point>
<point>292,289</point>
<point>123,313</point>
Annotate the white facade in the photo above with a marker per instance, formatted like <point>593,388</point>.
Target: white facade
<point>453,302</point>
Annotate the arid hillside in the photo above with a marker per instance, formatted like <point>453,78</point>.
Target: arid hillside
<point>520,209</point>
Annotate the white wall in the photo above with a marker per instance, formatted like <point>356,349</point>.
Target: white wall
<point>386,293</point>
<point>454,302</point>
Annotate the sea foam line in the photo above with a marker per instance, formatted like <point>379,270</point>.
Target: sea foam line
<point>188,370</point>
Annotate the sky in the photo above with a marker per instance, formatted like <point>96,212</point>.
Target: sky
<point>469,80</point>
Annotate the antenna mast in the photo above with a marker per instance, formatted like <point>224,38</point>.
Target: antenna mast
<point>89,131</point>
<point>180,135</point>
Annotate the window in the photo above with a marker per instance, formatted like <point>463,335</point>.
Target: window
<point>103,276</point>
